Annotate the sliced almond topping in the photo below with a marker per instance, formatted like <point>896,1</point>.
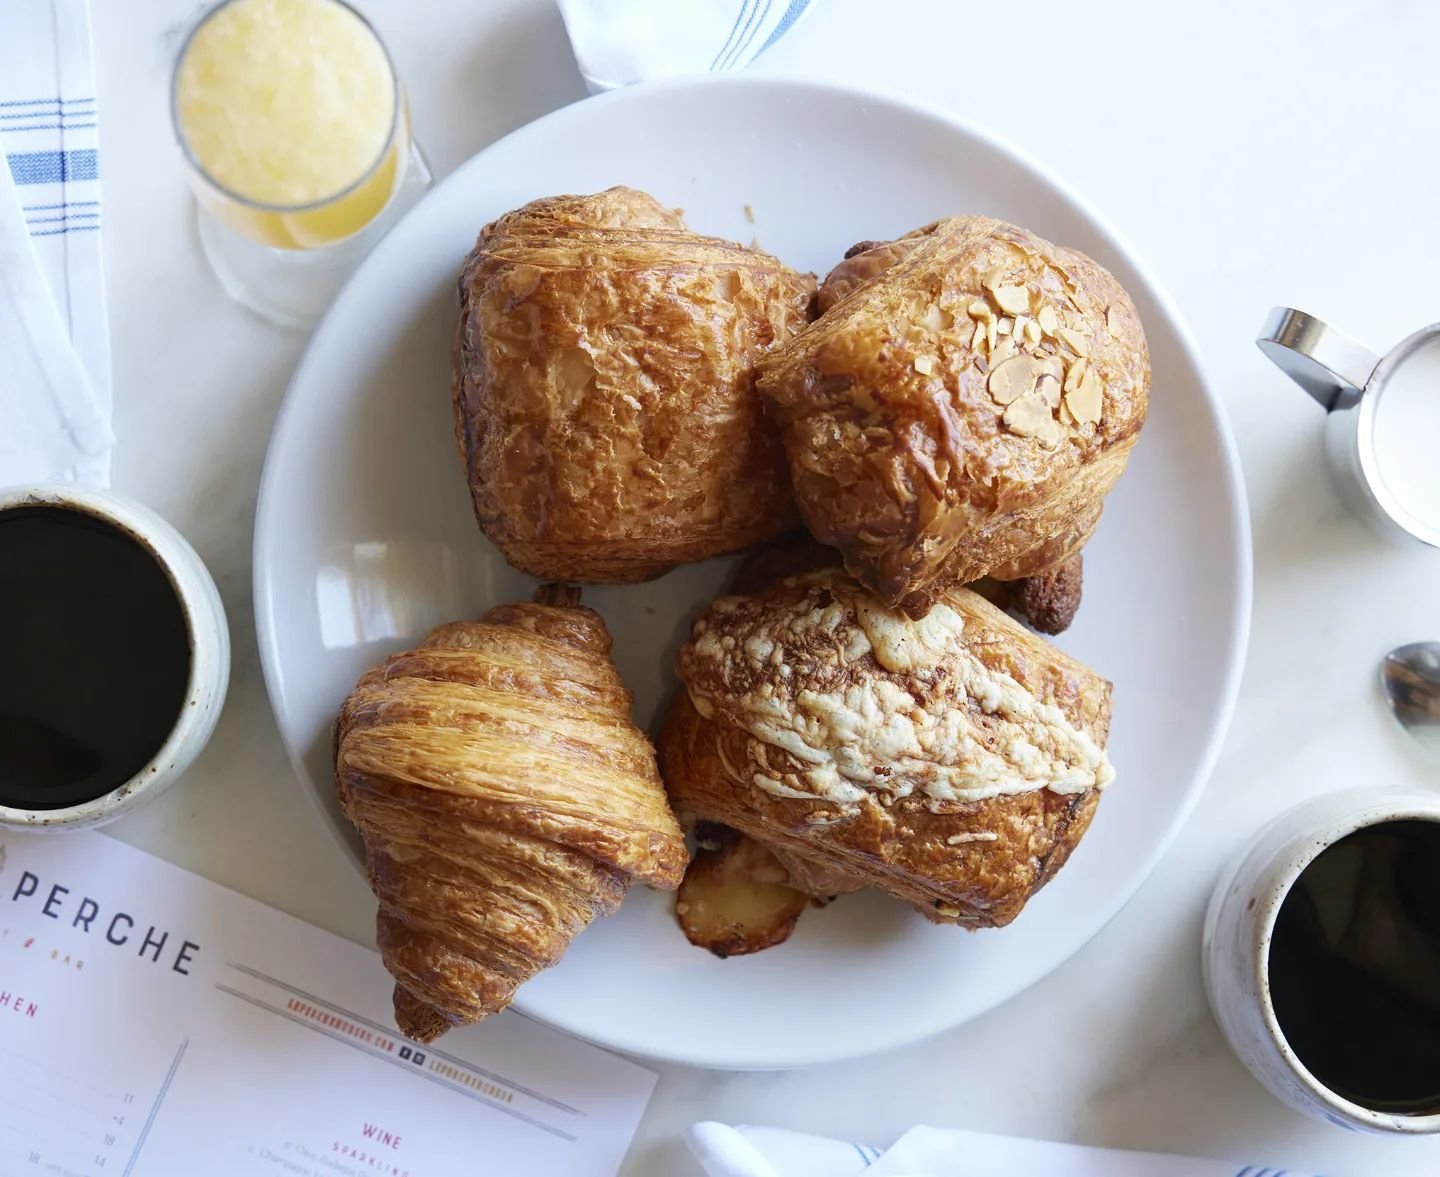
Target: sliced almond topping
<point>1113,319</point>
<point>979,337</point>
<point>990,333</point>
<point>1003,350</point>
<point>936,320</point>
<point>1029,416</point>
<point>1020,321</point>
<point>1085,401</point>
<point>1048,319</point>
<point>1052,365</point>
<point>993,278</point>
<point>980,309</point>
<point>1013,299</point>
<point>1066,416</point>
<point>925,365</point>
<point>1032,332</point>
<point>1004,326</point>
<point>1049,389</point>
<point>1074,340</point>
<point>1076,374</point>
<point>1013,378</point>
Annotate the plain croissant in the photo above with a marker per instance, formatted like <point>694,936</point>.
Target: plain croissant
<point>505,799</point>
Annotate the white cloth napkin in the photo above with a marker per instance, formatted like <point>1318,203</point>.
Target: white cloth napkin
<point>54,336</point>
<point>724,1151</point>
<point>619,42</point>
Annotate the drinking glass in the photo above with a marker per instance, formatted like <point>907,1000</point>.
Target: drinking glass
<point>296,137</point>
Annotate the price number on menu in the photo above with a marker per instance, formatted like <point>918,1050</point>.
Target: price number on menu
<point>61,1126</point>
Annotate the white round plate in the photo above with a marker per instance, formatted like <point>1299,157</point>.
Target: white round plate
<point>365,540</point>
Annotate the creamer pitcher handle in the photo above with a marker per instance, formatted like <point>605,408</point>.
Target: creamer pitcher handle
<point>1326,363</point>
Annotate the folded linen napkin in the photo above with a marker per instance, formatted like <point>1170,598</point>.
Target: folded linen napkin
<point>54,337</point>
<point>744,1151</point>
<point>619,42</point>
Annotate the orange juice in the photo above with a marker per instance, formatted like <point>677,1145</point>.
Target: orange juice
<point>291,113</point>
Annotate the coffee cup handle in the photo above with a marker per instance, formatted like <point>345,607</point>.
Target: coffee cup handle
<point>1326,363</point>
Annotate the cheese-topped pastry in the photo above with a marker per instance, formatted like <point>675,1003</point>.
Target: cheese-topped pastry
<point>953,760</point>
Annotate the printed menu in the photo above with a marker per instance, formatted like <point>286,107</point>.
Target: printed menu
<point>153,1023</point>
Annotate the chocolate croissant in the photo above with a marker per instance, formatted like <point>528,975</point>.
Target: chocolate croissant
<point>603,388</point>
<point>505,799</point>
<point>953,761</point>
<point>961,407</point>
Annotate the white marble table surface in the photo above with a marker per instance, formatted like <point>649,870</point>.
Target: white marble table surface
<point>1255,152</point>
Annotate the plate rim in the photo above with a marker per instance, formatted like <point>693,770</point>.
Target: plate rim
<point>1242,571</point>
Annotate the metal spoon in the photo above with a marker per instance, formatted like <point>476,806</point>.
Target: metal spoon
<point>1411,677</point>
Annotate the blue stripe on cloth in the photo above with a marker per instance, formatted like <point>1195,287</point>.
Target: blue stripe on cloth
<point>55,167</point>
<point>748,35</point>
<point>731,37</point>
<point>61,220</point>
<point>1246,1171</point>
<point>47,112</point>
<point>67,229</point>
<point>45,208</point>
<point>44,101</point>
<point>52,127</point>
<point>792,14</point>
<point>863,1157</point>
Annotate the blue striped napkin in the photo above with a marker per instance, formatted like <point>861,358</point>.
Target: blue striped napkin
<point>724,1151</point>
<point>620,42</point>
<point>55,407</point>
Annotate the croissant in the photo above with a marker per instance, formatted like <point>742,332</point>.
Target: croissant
<point>603,388</point>
<point>966,399</point>
<point>953,761</point>
<point>505,800</point>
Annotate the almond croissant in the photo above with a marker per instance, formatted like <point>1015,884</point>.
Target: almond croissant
<point>603,390</point>
<point>961,408</point>
<point>505,799</point>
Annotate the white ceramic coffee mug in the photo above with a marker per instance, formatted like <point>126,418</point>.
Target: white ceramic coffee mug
<point>209,639</point>
<point>1239,928</point>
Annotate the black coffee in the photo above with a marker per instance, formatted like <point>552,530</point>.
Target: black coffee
<point>94,657</point>
<point>1355,967</point>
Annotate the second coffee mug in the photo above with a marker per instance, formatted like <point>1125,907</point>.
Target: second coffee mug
<point>1322,959</point>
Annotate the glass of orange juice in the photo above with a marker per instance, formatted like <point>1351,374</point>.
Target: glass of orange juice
<point>295,129</point>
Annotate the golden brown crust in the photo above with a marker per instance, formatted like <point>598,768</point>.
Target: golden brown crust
<point>505,799</point>
<point>1047,600</point>
<point>901,454</point>
<point>603,388</point>
<point>953,762</point>
<point>863,261</point>
<point>790,555</point>
<point>1050,600</point>
<point>735,899</point>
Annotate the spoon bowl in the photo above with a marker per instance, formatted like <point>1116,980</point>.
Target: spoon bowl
<point>1411,678</point>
